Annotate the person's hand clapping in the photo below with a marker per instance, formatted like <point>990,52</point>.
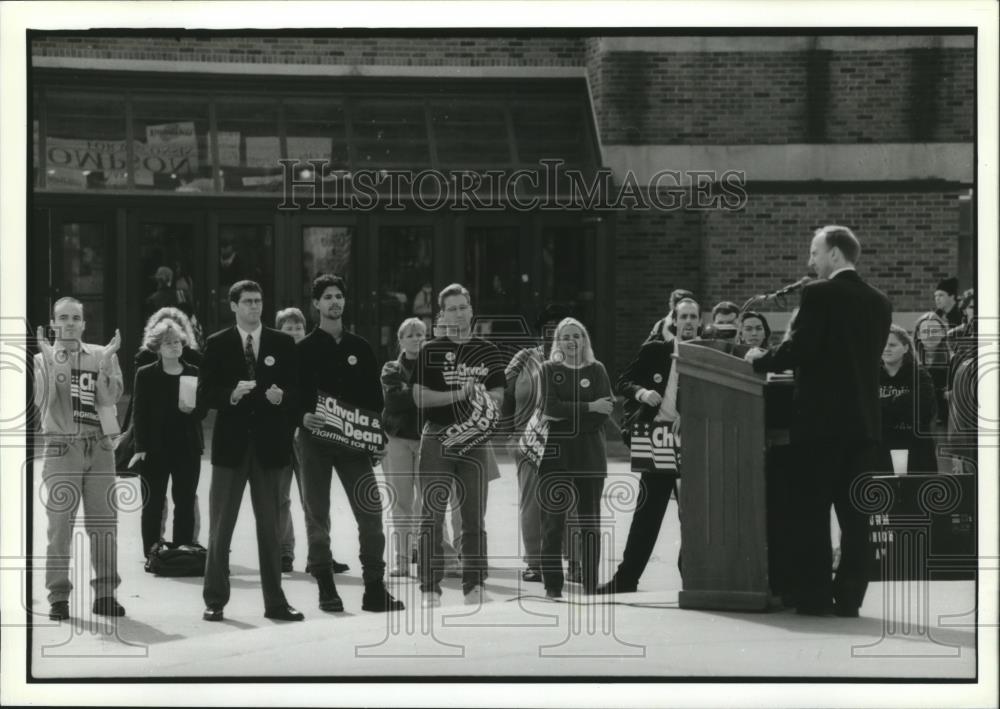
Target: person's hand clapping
<point>274,394</point>
<point>243,388</point>
<point>44,346</point>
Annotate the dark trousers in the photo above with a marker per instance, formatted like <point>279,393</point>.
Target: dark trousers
<point>561,494</point>
<point>181,468</point>
<point>654,494</point>
<point>439,470</point>
<point>225,497</point>
<point>825,475</point>
<point>354,469</point>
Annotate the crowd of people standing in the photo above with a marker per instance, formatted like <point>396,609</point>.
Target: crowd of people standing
<point>264,384</point>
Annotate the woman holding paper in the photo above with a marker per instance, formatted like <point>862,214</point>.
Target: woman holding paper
<point>906,393</point>
<point>577,402</point>
<point>168,436</point>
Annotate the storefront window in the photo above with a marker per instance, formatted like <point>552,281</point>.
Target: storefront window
<point>325,249</point>
<point>171,145</point>
<point>470,134</point>
<point>85,145</point>
<point>391,134</point>
<point>249,145</point>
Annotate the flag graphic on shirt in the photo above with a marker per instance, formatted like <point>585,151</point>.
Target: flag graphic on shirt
<point>655,448</point>
<point>83,394</point>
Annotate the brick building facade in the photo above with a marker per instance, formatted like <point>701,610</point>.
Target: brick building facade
<point>874,132</point>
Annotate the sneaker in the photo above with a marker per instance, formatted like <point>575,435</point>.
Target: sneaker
<point>477,596</point>
<point>378,600</point>
<point>531,575</point>
<point>431,599</point>
<point>59,611</point>
<point>107,605</point>
<point>553,593</point>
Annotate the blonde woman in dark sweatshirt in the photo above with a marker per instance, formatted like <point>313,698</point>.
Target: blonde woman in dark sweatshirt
<point>577,401</point>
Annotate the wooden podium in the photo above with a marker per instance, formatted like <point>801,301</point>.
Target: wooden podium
<point>724,495</point>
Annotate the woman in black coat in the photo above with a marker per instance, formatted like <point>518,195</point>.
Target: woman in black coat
<point>906,393</point>
<point>168,435</point>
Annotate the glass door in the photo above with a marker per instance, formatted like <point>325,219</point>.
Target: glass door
<point>496,258</point>
<point>167,252</point>
<point>402,283</point>
<point>82,265</point>
<point>323,245</point>
<point>241,247</point>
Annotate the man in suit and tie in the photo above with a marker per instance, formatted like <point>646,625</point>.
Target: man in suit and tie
<point>249,375</point>
<point>834,345</point>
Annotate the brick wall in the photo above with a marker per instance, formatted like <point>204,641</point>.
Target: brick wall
<point>740,98</point>
<point>909,241</point>
<point>397,51</point>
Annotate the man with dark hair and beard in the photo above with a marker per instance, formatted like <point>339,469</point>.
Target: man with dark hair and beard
<point>340,364</point>
<point>834,344</point>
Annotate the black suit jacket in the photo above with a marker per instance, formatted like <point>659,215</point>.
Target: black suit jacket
<point>254,418</point>
<point>152,397</point>
<point>835,345</point>
<point>649,370</point>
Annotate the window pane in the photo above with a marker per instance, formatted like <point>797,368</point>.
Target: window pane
<point>325,249</point>
<point>166,275</point>
<point>390,134</point>
<point>550,129</point>
<point>85,141</point>
<point>83,258</point>
<point>249,145</point>
<point>470,134</point>
<point>171,144</point>
<point>406,289</point>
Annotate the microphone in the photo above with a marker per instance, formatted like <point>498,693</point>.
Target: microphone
<point>793,287</point>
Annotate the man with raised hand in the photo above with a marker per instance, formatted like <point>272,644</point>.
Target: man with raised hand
<point>76,386</point>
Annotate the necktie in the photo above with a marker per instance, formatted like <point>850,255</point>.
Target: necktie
<point>251,360</point>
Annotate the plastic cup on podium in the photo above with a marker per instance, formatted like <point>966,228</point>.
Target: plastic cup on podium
<point>900,459</point>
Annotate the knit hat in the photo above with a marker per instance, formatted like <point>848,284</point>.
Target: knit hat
<point>949,286</point>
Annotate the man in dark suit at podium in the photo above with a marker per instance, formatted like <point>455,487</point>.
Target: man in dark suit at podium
<point>834,345</point>
<point>249,375</point>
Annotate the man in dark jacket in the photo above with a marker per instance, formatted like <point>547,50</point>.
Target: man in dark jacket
<point>337,363</point>
<point>248,374</point>
<point>650,387</point>
<point>835,346</point>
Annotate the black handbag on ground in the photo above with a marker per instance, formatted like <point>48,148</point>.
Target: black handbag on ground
<point>169,559</point>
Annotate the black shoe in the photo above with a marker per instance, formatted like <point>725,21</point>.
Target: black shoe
<point>59,611</point>
<point>616,585</point>
<point>553,593</point>
<point>329,599</point>
<point>339,568</point>
<point>842,611</point>
<point>285,612</point>
<point>286,564</point>
<point>531,575</point>
<point>107,605</point>
<point>378,600</point>
<point>213,615</point>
